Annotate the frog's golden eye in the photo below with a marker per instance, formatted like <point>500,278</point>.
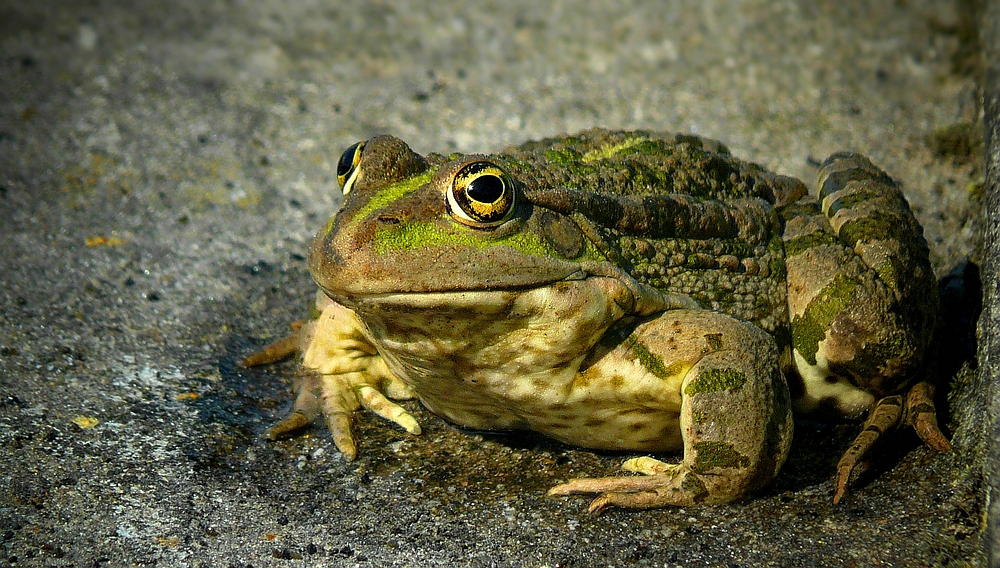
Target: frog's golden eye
<point>347,166</point>
<point>481,195</point>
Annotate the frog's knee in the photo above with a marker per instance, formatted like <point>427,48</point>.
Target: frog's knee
<point>738,420</point>
<point>719,472</point>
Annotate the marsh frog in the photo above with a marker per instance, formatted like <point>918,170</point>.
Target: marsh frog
<point>631,291</point>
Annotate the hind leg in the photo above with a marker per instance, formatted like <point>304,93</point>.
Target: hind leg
<point>735,417</point>
<point>862,301</point>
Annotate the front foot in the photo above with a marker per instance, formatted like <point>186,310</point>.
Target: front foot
<point>660,485</point>
<point>341,373</point>
<point>337,397</point>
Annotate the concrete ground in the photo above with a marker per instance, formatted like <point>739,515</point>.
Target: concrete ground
<point>163,167</point>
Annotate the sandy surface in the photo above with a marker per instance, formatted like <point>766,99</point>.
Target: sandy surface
<point>163,167</point>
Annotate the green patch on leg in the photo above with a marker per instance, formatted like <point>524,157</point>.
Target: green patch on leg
<point>884,226</point>
<point>710,455</point>
<point>816,239</point>
<point>653,362</point>
<point>714,380</point>
<point>694,486</point>
<point>810,328</point>
<point>889,273</point>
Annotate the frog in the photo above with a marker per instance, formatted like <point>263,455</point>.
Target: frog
<point>632,291</point>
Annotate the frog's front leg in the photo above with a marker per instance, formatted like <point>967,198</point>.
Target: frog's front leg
<point>735,414</point>
<point>341,373</point>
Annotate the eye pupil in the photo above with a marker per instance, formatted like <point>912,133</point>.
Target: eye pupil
<point>486,189</point>
<point>346,161</point>
<point>347,166</point>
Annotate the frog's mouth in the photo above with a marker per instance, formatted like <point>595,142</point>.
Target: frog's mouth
<point>358,272</point>
<point>413,297</point>
<point>480,301</point>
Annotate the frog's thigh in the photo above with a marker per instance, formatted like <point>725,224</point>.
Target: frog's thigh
<point>735,415</point>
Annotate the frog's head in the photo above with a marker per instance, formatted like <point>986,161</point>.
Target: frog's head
<point>412,224</point>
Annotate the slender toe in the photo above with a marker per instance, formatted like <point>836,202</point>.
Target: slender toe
<point>273,352</point>
<point>290,423</point>
<point>340,427</point>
